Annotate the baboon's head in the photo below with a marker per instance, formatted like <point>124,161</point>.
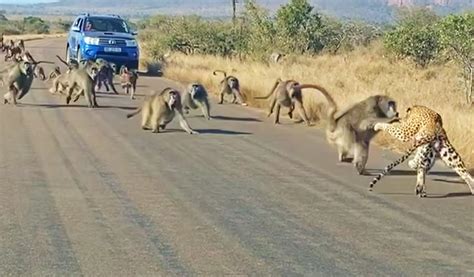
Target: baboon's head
<point>174,99</point>
<point>293,88</point>
<point>93,72</point>
<point>26,68</point>
<point>233,83</point>
<point>73,64</point>
<point>123,69</point>
<point>387,106</point>
<point>196,89</point>
<point>113,67</point>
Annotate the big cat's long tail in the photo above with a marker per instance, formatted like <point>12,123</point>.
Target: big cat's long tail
<point>331,103</point>
<point>407,154</point>
<point>389,168</point>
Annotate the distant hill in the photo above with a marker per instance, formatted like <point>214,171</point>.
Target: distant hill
<point>372,10</point>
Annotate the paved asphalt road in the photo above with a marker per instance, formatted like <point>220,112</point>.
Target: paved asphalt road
<point>87,192</point>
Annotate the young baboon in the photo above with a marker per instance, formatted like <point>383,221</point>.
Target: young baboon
<point>287,94</point>
<point>21,45</point>
<point>196,97</point>
<point>128,80</point>
<point>54,74</point>
<point>105,76</point>
<point>159,108</point>
<point>15,51</point>
<point>230,85</point>
<point>351,129</point>
<point>39,73</point>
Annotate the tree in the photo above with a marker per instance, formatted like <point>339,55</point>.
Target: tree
<point>415,36</point>
<point>457,36</point>
<point>299,27</point>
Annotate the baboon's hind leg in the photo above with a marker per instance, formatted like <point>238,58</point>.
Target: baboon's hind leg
<point>299,107</point>
<point>277,113</point>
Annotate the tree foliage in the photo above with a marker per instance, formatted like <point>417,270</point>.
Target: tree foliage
<point>456,34</point>
<point>415,36</point>
<point>296,29</point>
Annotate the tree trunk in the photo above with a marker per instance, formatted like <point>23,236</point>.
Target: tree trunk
<point>233,10</point>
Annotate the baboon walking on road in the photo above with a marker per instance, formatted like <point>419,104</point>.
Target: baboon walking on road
<point>230,86</point>
<point>196,97</point>
<point>287,94</point>
<point>159,109</point>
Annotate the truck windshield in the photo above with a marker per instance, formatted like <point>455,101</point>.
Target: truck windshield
<point>100,24</point>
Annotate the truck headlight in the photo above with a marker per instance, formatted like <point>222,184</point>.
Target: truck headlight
<point>131,43</point>
<point>91,40</point>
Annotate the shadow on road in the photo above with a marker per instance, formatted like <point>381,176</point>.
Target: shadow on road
<point>451,195</point>
<point>434,196</point>
<point>61,106</point>
<point>231,118</point>
<point>397,172</point>
<point>221,132</point>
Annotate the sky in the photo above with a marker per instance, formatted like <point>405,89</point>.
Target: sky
<point>24,1</point>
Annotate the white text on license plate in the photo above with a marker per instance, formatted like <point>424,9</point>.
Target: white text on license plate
<point>112,49</point>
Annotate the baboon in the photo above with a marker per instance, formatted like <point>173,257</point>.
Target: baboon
<point>15,51</point>
<point>230,85</point>
<point>55,73</point>
<point>80,80</point>
<point>159,108</point>
<point>21,44</point>
<point>351,129</point>
<point>105,76</point>
<point>39,73</point>
<point>18,79</point>
<point>276,57</point>
<point>287,94</point>
<point>196,97</point>
<point>128,80</point>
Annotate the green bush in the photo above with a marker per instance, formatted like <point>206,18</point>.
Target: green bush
<point>456,34</point>
<point>295,29</point>
<point>415,37</point>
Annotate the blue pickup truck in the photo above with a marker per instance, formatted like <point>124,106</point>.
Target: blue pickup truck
<point>102,36</point>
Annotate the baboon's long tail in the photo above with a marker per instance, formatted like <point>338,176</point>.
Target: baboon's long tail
<point>63,61</point>
<point>331,103</point>
<point>137,111</point>
<point>220,71</point>
<point>271,91</point>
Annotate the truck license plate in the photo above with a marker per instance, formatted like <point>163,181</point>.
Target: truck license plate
<point>113,49</point>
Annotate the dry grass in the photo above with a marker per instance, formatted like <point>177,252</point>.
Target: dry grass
<point>350,78</point>
<point>33,36</point>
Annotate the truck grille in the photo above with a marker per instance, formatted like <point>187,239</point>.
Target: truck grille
<point>120,54</point>
<point>112,42</point>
